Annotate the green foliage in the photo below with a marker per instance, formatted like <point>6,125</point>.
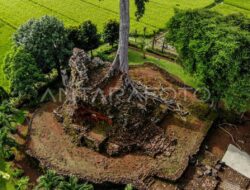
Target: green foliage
<point>6,144</point>
<point>21,70</point>
<point>73,35</point>
<point>111,32</point>
<point>88,38</point>
<point>51,181</point>
<point>73,184</point>
<point>3,94</point>
<point>22,183</point>
<point>237,96</point>
<point>216,49</point>
<point>129,187</point>
<point>46,39</point>
<point>9,180</point>
<point>9,118</point>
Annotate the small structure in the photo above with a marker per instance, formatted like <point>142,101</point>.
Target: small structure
<point>237,160</point>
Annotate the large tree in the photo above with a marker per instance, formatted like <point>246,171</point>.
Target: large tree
<point>120,63</point>
<point>46,39</point>
<point>215,48</point>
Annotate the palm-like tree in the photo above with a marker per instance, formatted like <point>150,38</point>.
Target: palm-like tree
<point>22,184</point>
<point>49,181</point>
<point>73,184</point>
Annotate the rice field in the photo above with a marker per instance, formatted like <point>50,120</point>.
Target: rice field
<point>243,4</point>
<point>14,13</point>
<point>234,6</point>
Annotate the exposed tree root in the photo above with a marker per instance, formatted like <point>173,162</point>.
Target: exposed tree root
<point>131,107</point>
<point>227,132</point>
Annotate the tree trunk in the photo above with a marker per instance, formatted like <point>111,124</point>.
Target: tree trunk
<point>120,63</point>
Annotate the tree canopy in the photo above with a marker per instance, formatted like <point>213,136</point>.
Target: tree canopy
<point>3,94</point>
<point>215,49</point>
<point>111,32</point>
<point>46,39</point>
<point>21,70</point>
<point>88,37</point>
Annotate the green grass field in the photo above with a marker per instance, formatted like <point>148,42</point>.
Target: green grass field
<point>234,6</point>
<point>13,13</point>
<point>243,4</point>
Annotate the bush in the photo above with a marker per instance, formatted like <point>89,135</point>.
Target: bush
<point>21,70</point>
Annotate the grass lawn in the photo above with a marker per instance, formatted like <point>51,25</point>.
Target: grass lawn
<point>135,58</point>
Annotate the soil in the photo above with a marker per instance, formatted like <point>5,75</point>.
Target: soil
<point>218,142</point>
<point>53,148</point>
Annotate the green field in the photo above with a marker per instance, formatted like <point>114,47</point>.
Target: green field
<point>234,6</point>
<point>13,13</point>
<point>243,4</point>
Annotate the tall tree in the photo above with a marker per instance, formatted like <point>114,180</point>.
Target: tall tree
<point>88,37</point>
<point>215,48</point>
<point>111,32</point>
<point>120,63</point>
